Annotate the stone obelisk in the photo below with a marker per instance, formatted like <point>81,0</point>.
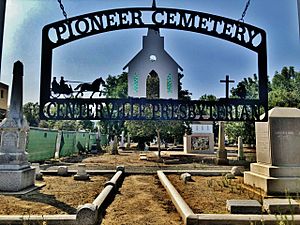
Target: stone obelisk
<point>15,171</point>
<point>221,152</point>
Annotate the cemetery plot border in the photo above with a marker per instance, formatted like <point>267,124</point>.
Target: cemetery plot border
<point>190,217</point>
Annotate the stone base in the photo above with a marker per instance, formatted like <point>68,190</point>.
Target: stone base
<point>281,206</point>
<point>24,191</point>
<point>81,177</point>
<point>243,206</point>
<point>16,180</point>
<point>273,179</point>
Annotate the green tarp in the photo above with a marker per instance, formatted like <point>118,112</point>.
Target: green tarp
<point>41,144</point>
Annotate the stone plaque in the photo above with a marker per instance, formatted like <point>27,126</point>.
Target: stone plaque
<point>263,152</point>
<point>285,136</point>
<point>9,140</point>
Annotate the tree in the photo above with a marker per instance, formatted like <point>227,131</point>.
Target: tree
<point>208,97</point>
<point>284,91</point>
<point>245,89</point>
<point>31,113</point>
<point>146,131</point>
<point>116,86</point>
<point>85,125</point>
<point>285,88</point>
<point>183,94</point>
<point>141,131</point>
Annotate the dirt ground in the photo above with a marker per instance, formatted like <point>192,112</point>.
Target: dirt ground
<point>131,161</point>
<point>142,200</point>
<point>209,194</point>
<point>61,195</point>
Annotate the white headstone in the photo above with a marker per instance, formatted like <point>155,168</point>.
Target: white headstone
<point>122,143</point>
<point>277,170</point>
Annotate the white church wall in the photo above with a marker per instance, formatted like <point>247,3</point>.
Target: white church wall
<point>153,57</point>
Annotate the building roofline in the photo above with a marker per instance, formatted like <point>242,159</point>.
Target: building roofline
<point>179,67</point>
<point>3,84</point>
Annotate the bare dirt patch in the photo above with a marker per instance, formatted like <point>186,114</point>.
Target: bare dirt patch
<point>61,195</point>
<point>131,160</point>
<point>141,200</point>
<point>209,194</point>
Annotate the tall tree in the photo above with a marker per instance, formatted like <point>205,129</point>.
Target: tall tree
<point>116,86</point>
<point>245,89</point>
<point>285,88</point>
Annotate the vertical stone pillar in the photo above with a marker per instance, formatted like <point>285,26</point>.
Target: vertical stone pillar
<point>2,20</point>
<point>15,171</point>
<point>187,143</point>
<point>114,150</point>
<point>122,143</point>
<point>240,149</point>
<point>211,142</point>
<point>128,141</point>
<point>221,153</point>
<point>58,145</point>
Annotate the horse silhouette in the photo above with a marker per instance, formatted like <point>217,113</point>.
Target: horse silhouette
<point>94,87</point>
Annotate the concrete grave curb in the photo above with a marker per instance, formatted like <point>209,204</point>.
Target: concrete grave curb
<point>189,218</point>
<point>181,206</point>
<point>37,219</point>
<point>88,214</point>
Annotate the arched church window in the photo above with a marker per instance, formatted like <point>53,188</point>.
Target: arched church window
<point>152,85</point>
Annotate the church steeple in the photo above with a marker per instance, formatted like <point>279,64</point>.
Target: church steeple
<point>153,31</point>
<point>154,4</point>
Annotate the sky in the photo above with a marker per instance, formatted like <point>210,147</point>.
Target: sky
<point>205,60</point>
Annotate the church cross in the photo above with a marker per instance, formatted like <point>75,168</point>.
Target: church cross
<point>227,81</point>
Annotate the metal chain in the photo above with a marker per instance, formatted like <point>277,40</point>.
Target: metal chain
<point>245,11</point>
<point>63,9</point>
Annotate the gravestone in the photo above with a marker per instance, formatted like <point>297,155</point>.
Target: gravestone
<point>114,146</point>
<point>128,141</point>
<point>277,169</point>
<point>241,155</point>
<point>15,171</point>
<point>122,142</point>
<point>38,174</point>
<point>243,206</point>
<point>201,140</point>
<point>221,153</point>
<point>81,173</point>
<point>62,171</point>
<point>281,206</point>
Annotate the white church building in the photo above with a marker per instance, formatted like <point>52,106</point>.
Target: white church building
<point>153,59</point>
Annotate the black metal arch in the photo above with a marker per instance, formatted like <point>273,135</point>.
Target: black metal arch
<point>78,27</point>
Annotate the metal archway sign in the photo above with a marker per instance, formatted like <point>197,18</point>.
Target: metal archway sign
<point>224,109</point>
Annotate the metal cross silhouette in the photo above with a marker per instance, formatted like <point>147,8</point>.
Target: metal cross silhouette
<point>227,81</point>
